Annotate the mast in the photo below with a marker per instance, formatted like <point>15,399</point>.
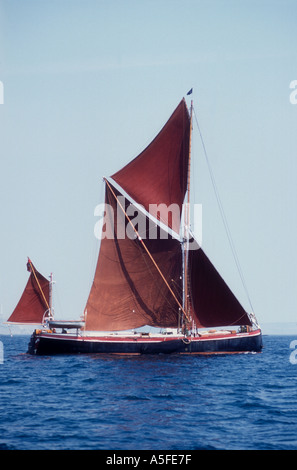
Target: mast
<point>186,228</point>
<point>51,310</point>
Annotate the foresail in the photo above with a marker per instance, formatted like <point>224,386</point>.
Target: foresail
<point>212,302</point>
<point>128,291</point>
<point>34,301</point>
<point>157,178</point>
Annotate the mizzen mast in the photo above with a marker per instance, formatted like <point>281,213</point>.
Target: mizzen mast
<point>51,309</point>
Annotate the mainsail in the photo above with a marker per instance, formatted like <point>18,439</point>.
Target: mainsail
<point>141,279</point>
<point>34,302</point>
<point>128,291</point>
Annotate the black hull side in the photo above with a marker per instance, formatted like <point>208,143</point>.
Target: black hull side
<point>45,345</point>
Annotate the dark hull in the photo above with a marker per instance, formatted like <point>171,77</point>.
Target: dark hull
<point>49,344</point>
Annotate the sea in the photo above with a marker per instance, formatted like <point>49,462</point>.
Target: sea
<point>156,403</point>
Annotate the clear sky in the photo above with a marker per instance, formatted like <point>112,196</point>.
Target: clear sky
<point>87,85</point>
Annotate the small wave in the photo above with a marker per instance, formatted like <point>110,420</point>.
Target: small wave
<point>10,382</point>
<point>135,397</point>
<point>166,396</point>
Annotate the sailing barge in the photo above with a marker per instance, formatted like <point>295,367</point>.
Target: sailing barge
<point>150,270</point>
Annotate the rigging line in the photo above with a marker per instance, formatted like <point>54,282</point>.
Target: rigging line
<point>187,219</point>
<point>146,249</point>
<point>223,215</point>
<point>150,269</point>
<point>33,270</point>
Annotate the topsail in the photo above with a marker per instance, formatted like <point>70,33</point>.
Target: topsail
<point>158,176</point>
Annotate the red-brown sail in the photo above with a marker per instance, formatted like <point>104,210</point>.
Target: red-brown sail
<point>213,303</point>
<point>34,301</point>
<point>159,174</point>
<point>127,290</point>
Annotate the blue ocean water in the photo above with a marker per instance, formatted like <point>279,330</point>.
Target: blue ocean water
<point>246,401</point>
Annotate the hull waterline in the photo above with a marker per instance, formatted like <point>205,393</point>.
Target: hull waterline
<point>44,343</point>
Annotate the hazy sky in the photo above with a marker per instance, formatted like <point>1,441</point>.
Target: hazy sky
<point>87,85</point>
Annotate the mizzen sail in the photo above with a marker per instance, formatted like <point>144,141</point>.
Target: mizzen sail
<point>34,302</point>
